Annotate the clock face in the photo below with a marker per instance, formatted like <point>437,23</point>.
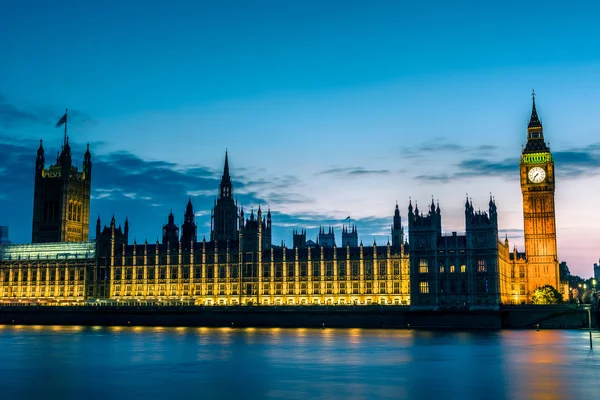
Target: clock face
<point>536,174</point>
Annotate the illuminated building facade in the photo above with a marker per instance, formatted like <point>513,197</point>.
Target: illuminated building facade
<point>47,272</point>
<point>240,265</point>
<point>522,273</point>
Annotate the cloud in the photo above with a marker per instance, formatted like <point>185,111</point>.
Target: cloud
<point>353,171</point>
<point>571,163</point>
<point>576,162</point>
<point>11,116</point>
<point>437,145</point>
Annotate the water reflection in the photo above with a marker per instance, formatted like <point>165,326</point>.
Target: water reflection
<point>295,363</point>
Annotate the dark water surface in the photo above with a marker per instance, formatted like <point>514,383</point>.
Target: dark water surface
<point>203,363</point>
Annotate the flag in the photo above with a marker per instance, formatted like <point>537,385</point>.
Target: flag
<point>61,121</point>
<point>348,217</point>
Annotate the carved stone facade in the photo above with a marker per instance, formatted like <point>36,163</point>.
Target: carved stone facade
<point>454,270</point>
<point>240,264</point>
<point>61,199</point>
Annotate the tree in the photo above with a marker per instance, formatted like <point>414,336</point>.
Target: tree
<point>546,295</point>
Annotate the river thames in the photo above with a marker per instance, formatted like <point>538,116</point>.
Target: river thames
<point>224,363</point>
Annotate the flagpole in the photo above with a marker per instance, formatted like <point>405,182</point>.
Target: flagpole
<point>65,138</point>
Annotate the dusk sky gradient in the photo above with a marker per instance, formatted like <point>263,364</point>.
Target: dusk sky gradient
<point>327,109</point>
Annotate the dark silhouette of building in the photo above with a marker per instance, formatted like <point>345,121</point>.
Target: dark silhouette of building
<point>326,238</point>
<point>397,230</point>
<point>349,236</point>
<point>454,270</point>
<point>299,239</point>
<point>61,199</point>
<point>189,229</point>
<point>224,218</point>
<point>170,231</point>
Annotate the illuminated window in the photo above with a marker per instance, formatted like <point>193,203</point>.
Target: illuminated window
<point>355,268</point>
<point>423,287</point>
<point>423,266</point>
<point>303,288</point>
<point>463,268</point>
<point>303,269</point>
<point>329,269</point>
<point>342,269</point>
<point>382,268</point>
<point>480,265</point>
<point>442,268</point>
<point>369,268</point>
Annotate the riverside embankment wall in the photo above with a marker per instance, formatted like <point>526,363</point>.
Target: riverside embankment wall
<point>517,317</point>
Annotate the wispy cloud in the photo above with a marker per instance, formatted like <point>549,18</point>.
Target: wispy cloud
<point>12,115</point>
<point>353,171</point>
<point>571,163</point>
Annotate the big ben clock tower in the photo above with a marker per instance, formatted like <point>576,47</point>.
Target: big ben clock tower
<point>537,186</point>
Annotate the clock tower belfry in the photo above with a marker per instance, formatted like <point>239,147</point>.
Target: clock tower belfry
<point>537,186</point>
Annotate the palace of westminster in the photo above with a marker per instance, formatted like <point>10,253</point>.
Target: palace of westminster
<point>240,265</point>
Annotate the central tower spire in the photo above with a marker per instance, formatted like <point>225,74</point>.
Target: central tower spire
<point>225,212</point>
<point>226,187</point>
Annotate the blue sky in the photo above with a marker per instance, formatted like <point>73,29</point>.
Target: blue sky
<point>328,109</point>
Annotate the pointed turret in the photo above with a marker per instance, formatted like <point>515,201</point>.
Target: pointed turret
<point>226,188</point>
<point>226,167</point>
<point>170,232</point>
<point>126,230</point>
<point>189,211</point>
<point>535,132</point>
<point>87,163</point>
<point>40,160</point>
<point>534,120</point>
<point>188,229</point>
<point>224,220</point>
<point>98,227</point>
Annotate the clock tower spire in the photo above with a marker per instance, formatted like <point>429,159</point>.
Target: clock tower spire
<point>538,187</point>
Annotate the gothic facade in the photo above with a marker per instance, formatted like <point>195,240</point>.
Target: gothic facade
<point>239,264</point>
<point>61,198</point>
<point>522,273</point>
<point>451,270</point>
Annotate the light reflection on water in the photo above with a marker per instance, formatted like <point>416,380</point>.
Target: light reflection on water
<point>137,362</point>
